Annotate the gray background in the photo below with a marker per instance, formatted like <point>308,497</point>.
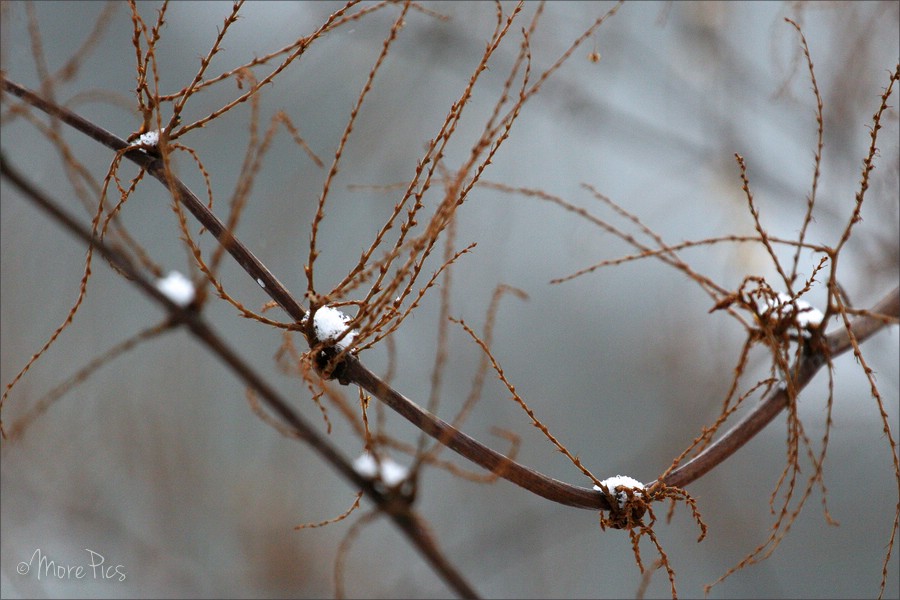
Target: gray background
<point>157,463</point>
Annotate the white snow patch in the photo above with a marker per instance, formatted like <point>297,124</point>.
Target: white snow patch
<point>807,315</point>
<point>391,473</point>
<point>177,288</point>
<point>151,138</point>
<point>613,483</point>
<point>330,323</point>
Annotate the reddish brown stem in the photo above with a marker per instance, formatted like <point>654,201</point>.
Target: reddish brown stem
<point>769,408</point>
<point>353,371</point>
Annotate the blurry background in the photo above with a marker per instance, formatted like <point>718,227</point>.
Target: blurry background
<point>158,464</point>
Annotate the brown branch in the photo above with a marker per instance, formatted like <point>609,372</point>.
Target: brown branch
<point>353,371</point>
<point>836,343</point>
<point>407,520</point>
<point>470,448</point>
<point>248,261</point>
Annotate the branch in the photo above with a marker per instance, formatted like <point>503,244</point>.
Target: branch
<point>470,448</point>
<point>837,343</point>
<point>353,371</point>
<point>407,520</point>
<point>156,167</point>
